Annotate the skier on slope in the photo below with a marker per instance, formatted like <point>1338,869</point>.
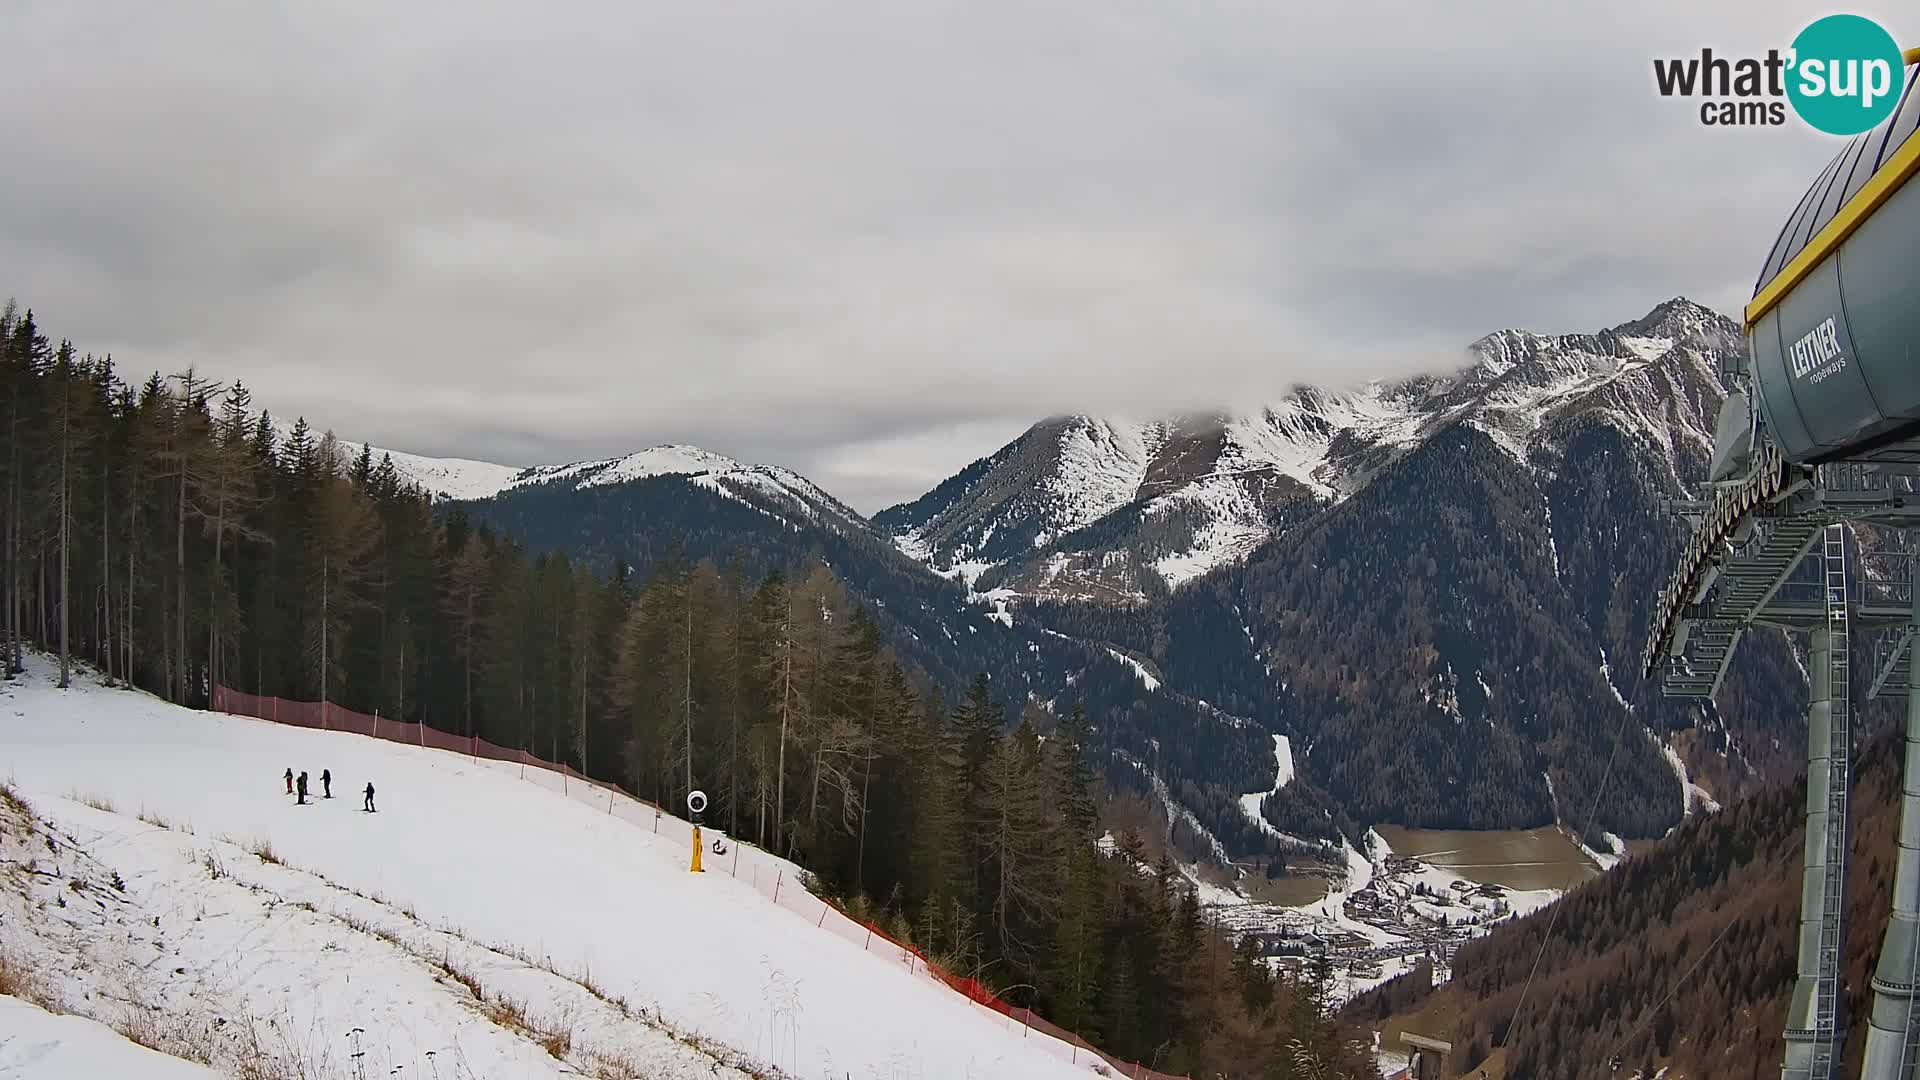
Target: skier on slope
<point>326,783</point>
<point>289,781</point>
<point>369,796</point>
<point>300,789</point>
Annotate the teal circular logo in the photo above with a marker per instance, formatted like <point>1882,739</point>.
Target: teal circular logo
<point>1845,74</point>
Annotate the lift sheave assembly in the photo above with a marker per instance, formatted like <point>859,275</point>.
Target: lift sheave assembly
<point>1820,431</point>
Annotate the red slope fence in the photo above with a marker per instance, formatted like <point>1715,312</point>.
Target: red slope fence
<point>765,872</point>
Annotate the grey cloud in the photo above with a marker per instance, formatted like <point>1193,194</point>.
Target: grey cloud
<point>866,240</point>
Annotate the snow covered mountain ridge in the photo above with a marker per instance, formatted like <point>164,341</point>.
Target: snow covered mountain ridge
<point>1106,508</point>
<point>1121,510</point>
<point>463,480</point>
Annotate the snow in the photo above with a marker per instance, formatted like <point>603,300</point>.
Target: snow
<point>1140,669</point>
<point>1553,546</point>
<point>459,478</point>
<point>914,545</point>
<point>471,858</point>
<point>1692,795</point>
<point>1283,774</point>
<point>39,1045</point>
<point>1648,349</point>
<point>1177,813</point>
<point>1605,860</point>
<point>223,954</point>
<point>1359,875</point>
<point>1101,465</point>
<point>1231,527</point>
<point>1000,613</point>
<point>448,478</point>
<point>1606,672</point>
<point>669,460</point>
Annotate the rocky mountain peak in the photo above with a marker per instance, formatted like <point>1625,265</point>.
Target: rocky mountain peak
<point>1152,504</point>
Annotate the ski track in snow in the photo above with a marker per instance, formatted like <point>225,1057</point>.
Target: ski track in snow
<point>1146,677</point>
<point>473,847</point>
<point>1283,774</point>
<point>1692,795</point>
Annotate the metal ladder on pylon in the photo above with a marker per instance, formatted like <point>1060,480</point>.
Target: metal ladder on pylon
<point>1829,993</point>
<point>1910,1048</point>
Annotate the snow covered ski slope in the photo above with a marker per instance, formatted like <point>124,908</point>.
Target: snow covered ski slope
<point>559,903</point>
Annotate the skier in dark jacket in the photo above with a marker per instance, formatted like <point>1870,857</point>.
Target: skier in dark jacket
<point>326,783</point>
<point>369,796</point>
<point>300,789</point>
<point>289,781</point>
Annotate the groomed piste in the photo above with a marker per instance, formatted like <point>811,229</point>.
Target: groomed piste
<point>327,931</point>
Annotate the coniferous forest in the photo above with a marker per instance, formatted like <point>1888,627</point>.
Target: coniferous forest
<point>173,536</point>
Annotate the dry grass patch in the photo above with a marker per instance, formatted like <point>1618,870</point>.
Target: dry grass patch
<point>173,1036</point>
<point>263,850</point>
<point>11,800</point>
<point>505,1012</point>
<point>558,1044</point>
<point>19,979</point>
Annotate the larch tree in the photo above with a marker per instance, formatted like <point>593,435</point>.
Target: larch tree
<point>73,427</point>
<point>184,462</point>
<point>227,500</point>
<point>343,531</point>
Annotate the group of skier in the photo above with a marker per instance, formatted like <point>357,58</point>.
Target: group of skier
<point>297,787</point>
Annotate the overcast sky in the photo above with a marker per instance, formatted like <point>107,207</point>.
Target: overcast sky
<point>868,239</point>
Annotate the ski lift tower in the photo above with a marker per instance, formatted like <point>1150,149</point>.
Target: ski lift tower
<point>1821,432</point>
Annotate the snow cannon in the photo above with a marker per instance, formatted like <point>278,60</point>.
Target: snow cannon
<point>1835,316</point>
<point>696,805</point>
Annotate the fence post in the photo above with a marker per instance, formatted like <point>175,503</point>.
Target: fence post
<point>736,858</point>
<point>776,886</point>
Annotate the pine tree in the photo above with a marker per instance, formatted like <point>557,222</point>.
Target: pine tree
<point>1121,1015</point>
<point>1020,840</point>
<point>1075,978</point>
<point>27,354</point>
<point>467,586</point>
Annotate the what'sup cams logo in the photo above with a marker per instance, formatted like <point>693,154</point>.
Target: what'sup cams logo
<point>1842,75</point>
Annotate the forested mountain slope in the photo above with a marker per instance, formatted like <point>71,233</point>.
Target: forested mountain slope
<point>1423,584</point>
<point>1682,957</point>
<point>168,536</point>
<point>1439,644</point>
